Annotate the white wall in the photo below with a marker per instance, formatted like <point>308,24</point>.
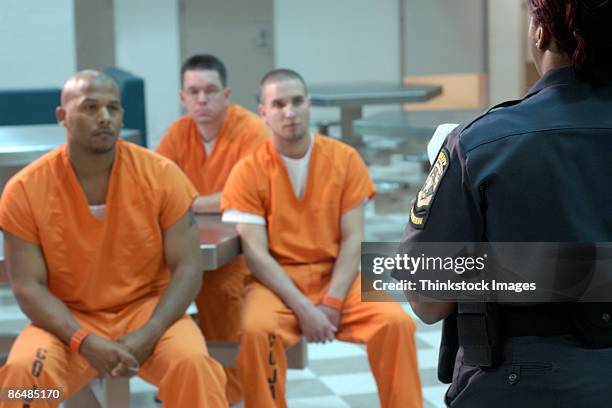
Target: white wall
<point>37,43</point>
<point>148,44</point>
<point>338,41</point>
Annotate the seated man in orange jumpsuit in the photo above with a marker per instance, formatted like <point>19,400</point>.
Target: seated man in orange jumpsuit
<point>298,204</point>
<point>206,143</point>
<point>103,257</point>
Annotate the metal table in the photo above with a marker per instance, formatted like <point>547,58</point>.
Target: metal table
<point>21,145</point>
<point>219,243</point>
<point>351,98</point>
<point>414,129</point>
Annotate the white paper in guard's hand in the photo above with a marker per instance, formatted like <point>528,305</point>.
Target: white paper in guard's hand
<point>438,138</point>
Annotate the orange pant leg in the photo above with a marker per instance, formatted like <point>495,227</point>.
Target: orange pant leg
<point>182,369</point>
<point>219,305</point>
<point>268,328</point>
<point>40,359</point>
<point>388,333</point>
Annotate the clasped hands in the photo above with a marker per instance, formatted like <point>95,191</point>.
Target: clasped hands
<point>319,323</point>
<point>123,357</point>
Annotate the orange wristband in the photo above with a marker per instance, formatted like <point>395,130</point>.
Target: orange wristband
<point>77,339</point>
<point>333,302</point>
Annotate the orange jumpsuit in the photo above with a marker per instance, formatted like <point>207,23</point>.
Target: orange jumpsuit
<point>220,298</point>
<point>110,273</point>
<point>304,237</point>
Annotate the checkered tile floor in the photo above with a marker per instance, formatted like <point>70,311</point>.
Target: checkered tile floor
<point>338,376</point>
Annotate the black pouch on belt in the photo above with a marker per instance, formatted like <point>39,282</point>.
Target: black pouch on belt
<point>480,335</point>
<point>449,345</point>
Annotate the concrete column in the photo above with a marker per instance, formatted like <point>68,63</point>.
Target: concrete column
<point>507,50</point>
<point>340,41</point>
<point>95,34</point>
<point>445,44</point>
<point>445,37</point>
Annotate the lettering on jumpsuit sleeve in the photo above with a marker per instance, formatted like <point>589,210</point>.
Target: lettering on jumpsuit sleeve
<point>419,211</point>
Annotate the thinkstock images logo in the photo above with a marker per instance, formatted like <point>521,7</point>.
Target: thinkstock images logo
<point>412,264</point>
<point>494,271</point>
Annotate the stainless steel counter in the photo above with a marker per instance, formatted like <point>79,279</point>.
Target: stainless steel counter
<point>21,145</point>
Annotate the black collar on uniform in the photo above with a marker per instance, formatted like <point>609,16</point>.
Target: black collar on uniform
<point>559,76</point>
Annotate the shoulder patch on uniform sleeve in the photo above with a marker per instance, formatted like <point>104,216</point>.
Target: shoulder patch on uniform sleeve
<point>420,209</point>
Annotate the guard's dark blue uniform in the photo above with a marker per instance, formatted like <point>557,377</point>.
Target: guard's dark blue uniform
<point>538,169</point>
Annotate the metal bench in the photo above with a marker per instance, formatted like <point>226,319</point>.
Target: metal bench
<point>225,352</point>
<point>413,126</point>
<point>115,393</point>
<point>409,133</point>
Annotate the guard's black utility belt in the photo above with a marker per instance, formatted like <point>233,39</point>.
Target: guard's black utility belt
<point>550,319</point>
<point>590,323</point>
<point>481,328</point>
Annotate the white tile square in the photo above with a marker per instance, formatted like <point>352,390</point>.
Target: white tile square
<point>138,385</point>
<point>335,349</point>
<point>297,374</point>
<point>318,402</point>
<point>350,384</point>
<point>12,312</point>
<point>431,337</point>
<point>427,358</point>
<point>435,395</point>
<point>406,306</point>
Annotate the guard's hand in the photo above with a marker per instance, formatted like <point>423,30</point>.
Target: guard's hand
<point>315,325</point>
<point>108,358</point>
<point>141,342</point>
<point>332,314</point>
